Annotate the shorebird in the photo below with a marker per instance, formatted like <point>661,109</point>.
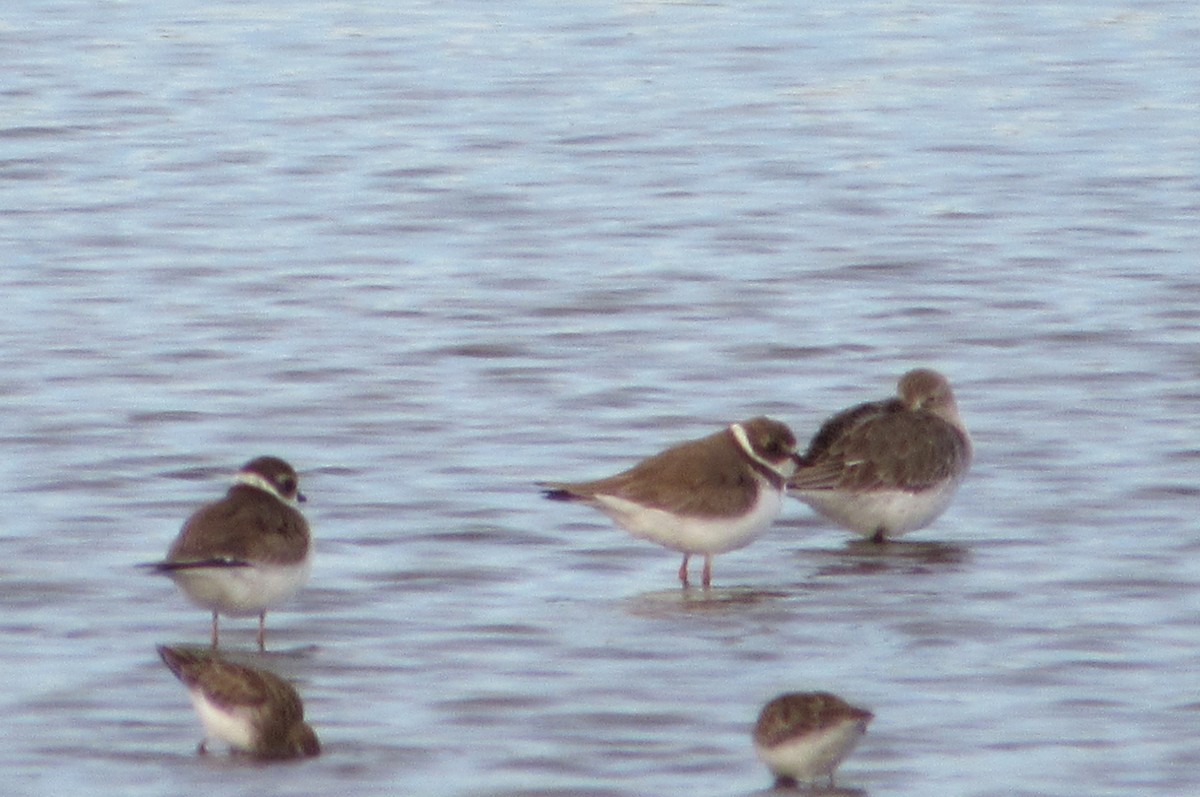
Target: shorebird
<point>706,496</point>
<point>251,710</point>
<point>886,468</point>
<point>248,552</point>
<point>803,736</point>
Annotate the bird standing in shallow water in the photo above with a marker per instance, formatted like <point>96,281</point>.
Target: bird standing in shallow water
<point>886,468</point>
<point>248,552</point>
<point>706,496</point>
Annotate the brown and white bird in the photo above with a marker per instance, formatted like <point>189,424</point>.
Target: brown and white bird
<point>886,468</point>
<point>706,496</point>
<point>253,711</point>
<point>248,552</point>
<point>803,736</point>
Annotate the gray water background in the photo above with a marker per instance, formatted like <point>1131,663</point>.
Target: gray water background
<point>434,252</point>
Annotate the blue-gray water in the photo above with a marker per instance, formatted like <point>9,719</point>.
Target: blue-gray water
<point>433,252</point>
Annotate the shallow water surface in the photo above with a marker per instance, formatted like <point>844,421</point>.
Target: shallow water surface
<point>434,254</point>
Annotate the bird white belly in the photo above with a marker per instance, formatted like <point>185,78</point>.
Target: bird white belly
<point>694,535</point>
<point>896,511</point>
<point>231,726</point>
<point>243,591</point>
<point>814,755</point>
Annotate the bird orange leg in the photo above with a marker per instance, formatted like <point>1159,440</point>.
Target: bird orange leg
<point>683,570</point>
<point>707,570</point>
<point>262,631</point>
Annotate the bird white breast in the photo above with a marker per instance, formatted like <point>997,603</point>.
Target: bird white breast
<point>865,511</point>
<point>243,591</point>
<point>690,534</point>
<point>813,755</point>
<point>232,726</point>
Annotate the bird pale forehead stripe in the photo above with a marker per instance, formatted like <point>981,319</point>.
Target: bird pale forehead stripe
<point>252,479</point>
<point>743,440</point>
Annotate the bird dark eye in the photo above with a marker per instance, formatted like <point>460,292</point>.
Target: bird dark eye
<point>782,446</point>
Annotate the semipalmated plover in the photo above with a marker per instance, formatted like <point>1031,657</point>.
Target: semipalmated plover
<point>248,552</point>
<point>705,496</point>
<point>251,710</point>
<point>803,736</point>
<point>886,468</point>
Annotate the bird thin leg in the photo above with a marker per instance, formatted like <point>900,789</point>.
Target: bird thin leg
<point>262,631</point>
<point>707,570</point>
<point>683,570</point>
<point>214,631</point>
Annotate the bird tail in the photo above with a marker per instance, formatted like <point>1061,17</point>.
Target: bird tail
<point>559,492</point>
<point>193,564</point>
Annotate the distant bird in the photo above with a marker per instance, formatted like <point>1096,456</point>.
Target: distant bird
<point>253,711</point>
<point>706,496</point>
<point>248,552</point>
<point>886,468</point>
<point>803,736</point>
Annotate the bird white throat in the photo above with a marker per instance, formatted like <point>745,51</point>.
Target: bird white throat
<point>251,479</point>
<point>743,441</point>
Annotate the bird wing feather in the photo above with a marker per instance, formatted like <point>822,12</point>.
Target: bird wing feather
<point>696,478</point>
<point>881,445</point>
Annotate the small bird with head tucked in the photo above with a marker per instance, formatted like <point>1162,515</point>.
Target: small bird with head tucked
<point>253,711</point>
<point>803,736</point>
<point>885,468</point>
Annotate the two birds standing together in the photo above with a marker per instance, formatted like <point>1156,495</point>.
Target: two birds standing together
<point>881,469</point>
